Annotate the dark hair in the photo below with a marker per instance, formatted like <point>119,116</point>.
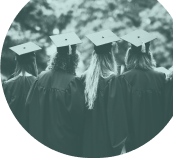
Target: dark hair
<point>26,63</point>
<point>103,49</point>
<point>64,60</point>
<point>136,59</point>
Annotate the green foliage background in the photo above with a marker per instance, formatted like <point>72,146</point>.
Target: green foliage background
<point>41,18</point>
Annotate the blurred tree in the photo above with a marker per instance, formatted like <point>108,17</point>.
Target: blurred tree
<point>41,18</point>
<point>121,16</point>
<point>158,21</point>
<point>35,22</point>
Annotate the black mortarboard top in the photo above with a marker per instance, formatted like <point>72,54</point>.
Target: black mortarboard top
<point>25,48</point>
<point>103,37</point>
<point>66,39</point>
<point>139,38</point>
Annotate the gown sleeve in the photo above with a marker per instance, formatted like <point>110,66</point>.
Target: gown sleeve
<point>16,91</point>
<point>168,101</point>
<point>117,119</point>
<point>144,109</point>
<point>75,102</point>
<point>6,92</point>
<point>32,111</point>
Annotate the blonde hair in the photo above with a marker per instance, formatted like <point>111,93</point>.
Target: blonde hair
<point>102,65</point>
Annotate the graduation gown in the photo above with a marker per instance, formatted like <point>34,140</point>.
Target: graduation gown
<point>16,90</point>
<point>105,126</point>
<point>168,101</point>
<point>168,110</point>
<point>49,118</point>
<point>143,92</point>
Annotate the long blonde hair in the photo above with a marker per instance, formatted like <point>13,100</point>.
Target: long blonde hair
<point>102,65</point>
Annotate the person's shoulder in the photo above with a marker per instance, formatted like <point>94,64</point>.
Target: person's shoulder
<point>159,74</point>
<point>12,80</point>
<point>76,84</point>
<point>12,83</point>
<point>44,73</point>
<point>108,82</point>
<point>54,79</point>
<point>78,80</point>
<point>141,72</point>
<point>130,72</point>
<point>30,79</point>
<point>160,71</point>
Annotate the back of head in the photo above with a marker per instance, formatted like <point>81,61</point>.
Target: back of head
<point>136,59</point>
<point>103,49</point>
<point>106,59</point>
<point>64,60</point>
<point>102,65</point>
<point>26,63</point>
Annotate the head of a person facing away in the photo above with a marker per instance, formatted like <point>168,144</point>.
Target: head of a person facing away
<point>136,59</point>
<point>26,63</point>
<point>102,65</point>
<point>65,59</point>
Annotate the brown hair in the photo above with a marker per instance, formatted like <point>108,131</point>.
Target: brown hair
<point>64,60</point>
<point>135,58</point>
<point>26,63</point>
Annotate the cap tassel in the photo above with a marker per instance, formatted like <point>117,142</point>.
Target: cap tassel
<point>143,50</point>
<point>70,50</point>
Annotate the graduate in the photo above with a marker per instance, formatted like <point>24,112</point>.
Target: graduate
<point>105,124</point>
<point>17,88</point>
<point>49,120</point>
<point>143,90</point>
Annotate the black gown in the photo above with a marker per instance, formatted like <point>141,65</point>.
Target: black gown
<point>16,90</point>
<point>168,101</point>
<point>105,126</point>
<point>49,118</point>
<point>143,92</point>
<point>60,120</point>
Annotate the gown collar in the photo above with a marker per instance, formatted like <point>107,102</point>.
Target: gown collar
<point>26,74</point>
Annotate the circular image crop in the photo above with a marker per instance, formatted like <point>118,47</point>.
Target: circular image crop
<point>90,78</point>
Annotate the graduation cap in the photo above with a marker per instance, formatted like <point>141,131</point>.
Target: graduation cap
<point>66,39</point>
<point>103,37</point>
<point>139,38</point>
<point>25,48</point>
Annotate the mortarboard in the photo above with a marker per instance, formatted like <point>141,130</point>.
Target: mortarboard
<point>139,38</point>
<point>25,48</point>
<point>66,39</point>
<point>103,37</point>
